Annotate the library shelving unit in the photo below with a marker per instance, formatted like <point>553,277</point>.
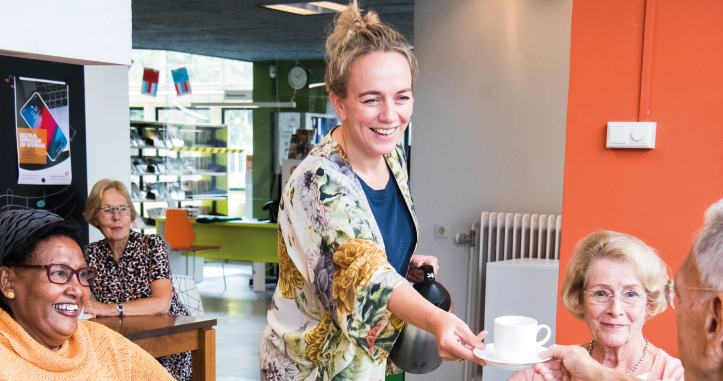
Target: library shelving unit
<point>178,165</point>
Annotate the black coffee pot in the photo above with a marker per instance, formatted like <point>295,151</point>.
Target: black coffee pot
<point>415,350</point>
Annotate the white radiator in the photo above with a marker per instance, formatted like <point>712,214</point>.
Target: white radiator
<point>503,237</point>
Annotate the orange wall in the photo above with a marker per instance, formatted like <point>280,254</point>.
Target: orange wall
<point>657,195</point>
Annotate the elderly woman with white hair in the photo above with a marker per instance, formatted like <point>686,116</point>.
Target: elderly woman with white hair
<point>615,283</point>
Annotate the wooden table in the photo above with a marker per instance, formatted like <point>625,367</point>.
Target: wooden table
<point>163,335</point>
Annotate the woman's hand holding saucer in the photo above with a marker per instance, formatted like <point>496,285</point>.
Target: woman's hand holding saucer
<point>455,341</point>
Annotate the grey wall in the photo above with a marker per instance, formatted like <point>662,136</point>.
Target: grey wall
<point>107,128</point>
<point>489,121</point>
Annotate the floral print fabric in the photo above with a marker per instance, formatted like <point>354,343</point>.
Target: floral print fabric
<point>328,319</point>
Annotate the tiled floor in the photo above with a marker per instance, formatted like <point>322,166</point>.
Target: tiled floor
<point>241,315</point>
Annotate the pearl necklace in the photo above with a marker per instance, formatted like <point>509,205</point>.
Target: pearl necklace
<point>645,352</point>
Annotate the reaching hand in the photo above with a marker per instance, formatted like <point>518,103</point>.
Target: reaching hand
<point>552,371</point>
<point>450,333</point>
<point>415,273</point>
<point>573,363</point>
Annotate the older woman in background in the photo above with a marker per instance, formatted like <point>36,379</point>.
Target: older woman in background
<point>615,283</point>
<point>44,284</point>
<point>134,276</point>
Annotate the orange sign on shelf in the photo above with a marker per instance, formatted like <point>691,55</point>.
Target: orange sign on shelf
<point>32,145</point>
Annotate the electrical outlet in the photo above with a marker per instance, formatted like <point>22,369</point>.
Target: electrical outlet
<point>441,231</point>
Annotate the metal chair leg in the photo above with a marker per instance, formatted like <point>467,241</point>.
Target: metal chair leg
<point>223,270</point>
<point>194,266</point>
<point>186,264</point>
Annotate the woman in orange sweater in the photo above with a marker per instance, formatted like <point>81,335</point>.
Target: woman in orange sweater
<point>44,284</point>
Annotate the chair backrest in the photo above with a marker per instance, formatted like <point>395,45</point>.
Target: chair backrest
<point>179,232</point>
<point>188,293</point>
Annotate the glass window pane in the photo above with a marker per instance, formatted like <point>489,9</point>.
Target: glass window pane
<point>179,116</point>
<point>241,74</point>
<point>240,129</point>
<point>141,59</point>
<point>201,69</point>
<point>136,114</point>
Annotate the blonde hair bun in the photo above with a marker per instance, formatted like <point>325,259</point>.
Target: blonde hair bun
<point>356,35</point>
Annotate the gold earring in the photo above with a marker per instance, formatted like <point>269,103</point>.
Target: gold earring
<point>11,295</point>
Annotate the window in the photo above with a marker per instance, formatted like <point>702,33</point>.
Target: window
<point>239,75</point>
<point>240,129</point>
<point>137,113</point>
<point>240,135</point>
<point>202,71</point>
<point>141,59</point>
<point>208,75</point>
<point>174,115</point>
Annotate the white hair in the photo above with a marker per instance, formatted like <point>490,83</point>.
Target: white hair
<point>708,248</point>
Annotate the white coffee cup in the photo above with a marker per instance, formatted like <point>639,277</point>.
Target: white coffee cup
<point>515,337</point>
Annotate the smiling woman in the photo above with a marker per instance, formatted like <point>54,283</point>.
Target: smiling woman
<point>133,269</point>
<point>347,227</point>
<point>44,285</point>
<point>615,283</point>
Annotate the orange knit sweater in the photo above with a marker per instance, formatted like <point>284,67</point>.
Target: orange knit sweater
<point>94,352</point>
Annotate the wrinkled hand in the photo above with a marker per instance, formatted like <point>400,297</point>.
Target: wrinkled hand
<point>570,363</point>
<point>415,273</point>
<point>450,332</point>
<point>96,308</point>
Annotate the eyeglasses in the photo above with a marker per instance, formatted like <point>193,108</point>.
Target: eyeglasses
<point>629,298</point>
<point>108,211</point>
<point>670,291</point>
<point>62,274</point>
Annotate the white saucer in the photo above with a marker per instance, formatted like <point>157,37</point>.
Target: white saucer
<point>490,356</point>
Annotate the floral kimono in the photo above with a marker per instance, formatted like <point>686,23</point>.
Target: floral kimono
<point>328,319</point>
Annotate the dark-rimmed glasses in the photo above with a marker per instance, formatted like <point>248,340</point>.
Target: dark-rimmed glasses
<point>670,291</point>
<point>108,211</point>
<point>62,274</point>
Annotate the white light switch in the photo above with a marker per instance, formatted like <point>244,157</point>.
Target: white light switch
<point>631,135</point>
<point>617,134</point>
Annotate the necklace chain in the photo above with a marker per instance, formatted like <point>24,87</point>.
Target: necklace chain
<point>645,353</point>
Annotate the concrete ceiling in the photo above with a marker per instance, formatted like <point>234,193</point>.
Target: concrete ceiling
<point>243,30</point>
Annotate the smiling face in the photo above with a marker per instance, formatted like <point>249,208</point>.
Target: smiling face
<point>379,103</point>
<point>47,311</point>
<point>614,324</point>
<point>114,227</point>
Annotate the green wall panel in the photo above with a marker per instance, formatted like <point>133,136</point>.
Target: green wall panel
<point>267,89</point>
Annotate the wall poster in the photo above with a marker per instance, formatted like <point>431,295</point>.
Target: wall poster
<point>43,133</point>
<point>287,124</point>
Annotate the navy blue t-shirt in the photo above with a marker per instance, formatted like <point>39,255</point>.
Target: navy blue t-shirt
<point>395,222</point>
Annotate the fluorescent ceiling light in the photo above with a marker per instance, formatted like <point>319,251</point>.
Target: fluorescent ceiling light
<point>329,5</point>
<point>246,105</point>
<point>311,8</point>
<point>311,86</point>
<point>291,8</point>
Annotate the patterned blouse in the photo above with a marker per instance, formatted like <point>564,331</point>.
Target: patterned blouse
<point>328,317</point>
<point>145,260</point>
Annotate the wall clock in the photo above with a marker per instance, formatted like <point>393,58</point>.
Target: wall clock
<point>297,77</point>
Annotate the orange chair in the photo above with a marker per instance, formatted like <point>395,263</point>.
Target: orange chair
<point>179,233</point>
